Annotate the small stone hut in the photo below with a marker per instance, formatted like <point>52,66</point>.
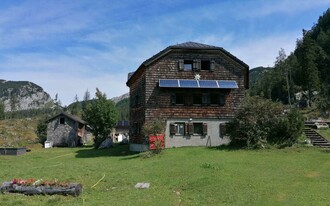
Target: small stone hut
<point>66,130</point>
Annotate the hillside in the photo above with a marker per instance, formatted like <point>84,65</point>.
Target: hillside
<point>23,95</point>
<point>121,103</point>
<point>18,132</point>
<point>305,70</point>
<point>257,73</point>
<point>123,108</point>
<point>120,98</point>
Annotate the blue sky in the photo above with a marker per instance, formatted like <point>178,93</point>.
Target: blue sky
<point>69,46</point>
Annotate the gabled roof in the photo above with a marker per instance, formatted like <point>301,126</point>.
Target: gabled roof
<point>70,116</point>
<point>186,45</point>
<point>193,45</point>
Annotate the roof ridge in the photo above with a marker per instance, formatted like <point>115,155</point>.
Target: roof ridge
<point>194,45</point>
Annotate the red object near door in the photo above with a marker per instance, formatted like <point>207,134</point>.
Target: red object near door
<point>153,141</point>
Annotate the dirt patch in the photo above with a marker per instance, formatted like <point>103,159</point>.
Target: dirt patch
<point>313,174</point>
<point>281,197</point>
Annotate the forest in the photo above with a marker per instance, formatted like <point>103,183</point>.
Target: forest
<point>300,79</point>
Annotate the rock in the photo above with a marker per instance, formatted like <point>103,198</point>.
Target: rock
<point>106,143</point>
<point>142,185</point>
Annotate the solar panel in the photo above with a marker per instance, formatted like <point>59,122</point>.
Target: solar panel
<point>191,83</point>
<point>208,84</point>
<point>168,83</point>
<point>188,83</point>
<point>227,84</point>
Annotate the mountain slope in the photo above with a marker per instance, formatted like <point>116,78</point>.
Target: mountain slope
<point>23,95</point>
<point>257,73</point>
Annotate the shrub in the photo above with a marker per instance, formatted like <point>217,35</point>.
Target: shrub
<point>154,129</point>
<point>261,123</point>
<point>42,130</point>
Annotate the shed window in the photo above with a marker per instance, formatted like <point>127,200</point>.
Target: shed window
<point>62,120</point>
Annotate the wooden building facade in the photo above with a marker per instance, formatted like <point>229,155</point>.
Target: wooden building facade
<point>194,88</point>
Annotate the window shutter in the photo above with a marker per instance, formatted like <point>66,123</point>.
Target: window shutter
<point>181,65</point>
<point>172,129</point>
<point>222,99</point>
<point>222,129</point>
<point>173,99</point>
<point>190,128</point>
<point>196,65</point>
<point>204,129</point>
<point>212,65</point>
<point>188,99</point>
<point>205,99</point>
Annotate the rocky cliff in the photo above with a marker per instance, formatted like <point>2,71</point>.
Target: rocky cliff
<point>23,95</point>
<point>120,98</point>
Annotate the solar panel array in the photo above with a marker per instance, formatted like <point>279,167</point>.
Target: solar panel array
<point>191,83</point>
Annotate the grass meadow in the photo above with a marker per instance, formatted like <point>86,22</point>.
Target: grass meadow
<point>178,176</point>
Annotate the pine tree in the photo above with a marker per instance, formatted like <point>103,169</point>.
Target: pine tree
<point>310,73</point>
<point>2,110</point>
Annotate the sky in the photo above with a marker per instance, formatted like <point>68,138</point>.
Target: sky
<point>70,46</point>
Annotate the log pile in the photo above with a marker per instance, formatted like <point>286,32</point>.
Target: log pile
<point>73,189</point>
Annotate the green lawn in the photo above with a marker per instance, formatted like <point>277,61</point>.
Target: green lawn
<point>180,176</point>
<point>325,133</point>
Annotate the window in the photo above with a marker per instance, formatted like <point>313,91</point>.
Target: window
<point>196,65</point>
<point>197,98</point>
<point>195,129</point>
<point>178,128</point>
<point>62,120</point>
<point>214,98</point>
<point>188,65</point>
<point>198,128</point>
<point>179,98</point>
<point>205,65</point>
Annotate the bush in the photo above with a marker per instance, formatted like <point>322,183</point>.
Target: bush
<point>42,131</point>
<point>261,123</point>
